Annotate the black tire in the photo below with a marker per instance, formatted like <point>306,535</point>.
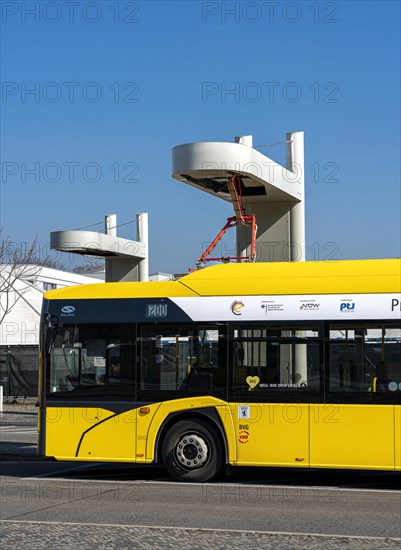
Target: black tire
<point>193,451</point>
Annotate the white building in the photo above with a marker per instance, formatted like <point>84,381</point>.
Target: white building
<point>23,300</point>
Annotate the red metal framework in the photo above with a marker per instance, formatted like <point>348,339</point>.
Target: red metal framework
<point>234,187</point>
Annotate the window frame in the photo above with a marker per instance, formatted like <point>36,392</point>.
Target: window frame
<point>272,395</point>
<point>161,395</point>
<point>119,392</point>
<point>357,397</point>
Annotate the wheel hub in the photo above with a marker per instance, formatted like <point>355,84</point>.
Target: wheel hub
<point>191,451</point>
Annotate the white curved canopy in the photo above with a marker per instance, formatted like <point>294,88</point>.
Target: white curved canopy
<point>208,165</point>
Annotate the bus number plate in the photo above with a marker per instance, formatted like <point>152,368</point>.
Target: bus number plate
<point>156,311</point>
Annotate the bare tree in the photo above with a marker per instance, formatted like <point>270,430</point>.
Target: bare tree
<point>17,263</point>
<point>89,268</point>
<point>48,262</point>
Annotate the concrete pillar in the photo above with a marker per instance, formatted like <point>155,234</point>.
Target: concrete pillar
<point>110,225</point>
<point>273,235</point>
<point>142,235</point>
<point>296,164</point>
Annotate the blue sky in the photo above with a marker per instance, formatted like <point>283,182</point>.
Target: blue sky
<point>116,85</point>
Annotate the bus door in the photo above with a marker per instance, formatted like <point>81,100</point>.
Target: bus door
<point>180,367</point>
<point>275,375</point>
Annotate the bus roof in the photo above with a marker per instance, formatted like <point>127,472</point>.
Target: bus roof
<point>260,278</point>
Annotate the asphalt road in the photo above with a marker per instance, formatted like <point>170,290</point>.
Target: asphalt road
<point>141,507</point>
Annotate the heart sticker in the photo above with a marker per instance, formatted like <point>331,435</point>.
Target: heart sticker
<point>252,381</point>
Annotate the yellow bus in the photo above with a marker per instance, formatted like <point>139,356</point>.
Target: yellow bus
<point>249,364</point>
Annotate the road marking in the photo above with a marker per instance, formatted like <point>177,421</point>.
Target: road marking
<point>4,428</point>
<point>203,529</point>
<point>8,428</point>
<point>19,432</point>
<point>49,477</point>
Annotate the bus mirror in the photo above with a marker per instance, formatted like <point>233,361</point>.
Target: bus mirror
<point>51,320</point>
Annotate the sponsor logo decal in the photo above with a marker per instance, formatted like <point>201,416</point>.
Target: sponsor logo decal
<point>395,304</point>
<point>310,305</point>
<point>271,306</point>
<point>347,306</point>
<point>236,307</point>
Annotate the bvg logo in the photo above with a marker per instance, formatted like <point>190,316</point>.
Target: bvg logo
<point>236,307</point>
<point>347,306</point>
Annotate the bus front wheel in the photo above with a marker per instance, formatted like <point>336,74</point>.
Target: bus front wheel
<point>192,451</point>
